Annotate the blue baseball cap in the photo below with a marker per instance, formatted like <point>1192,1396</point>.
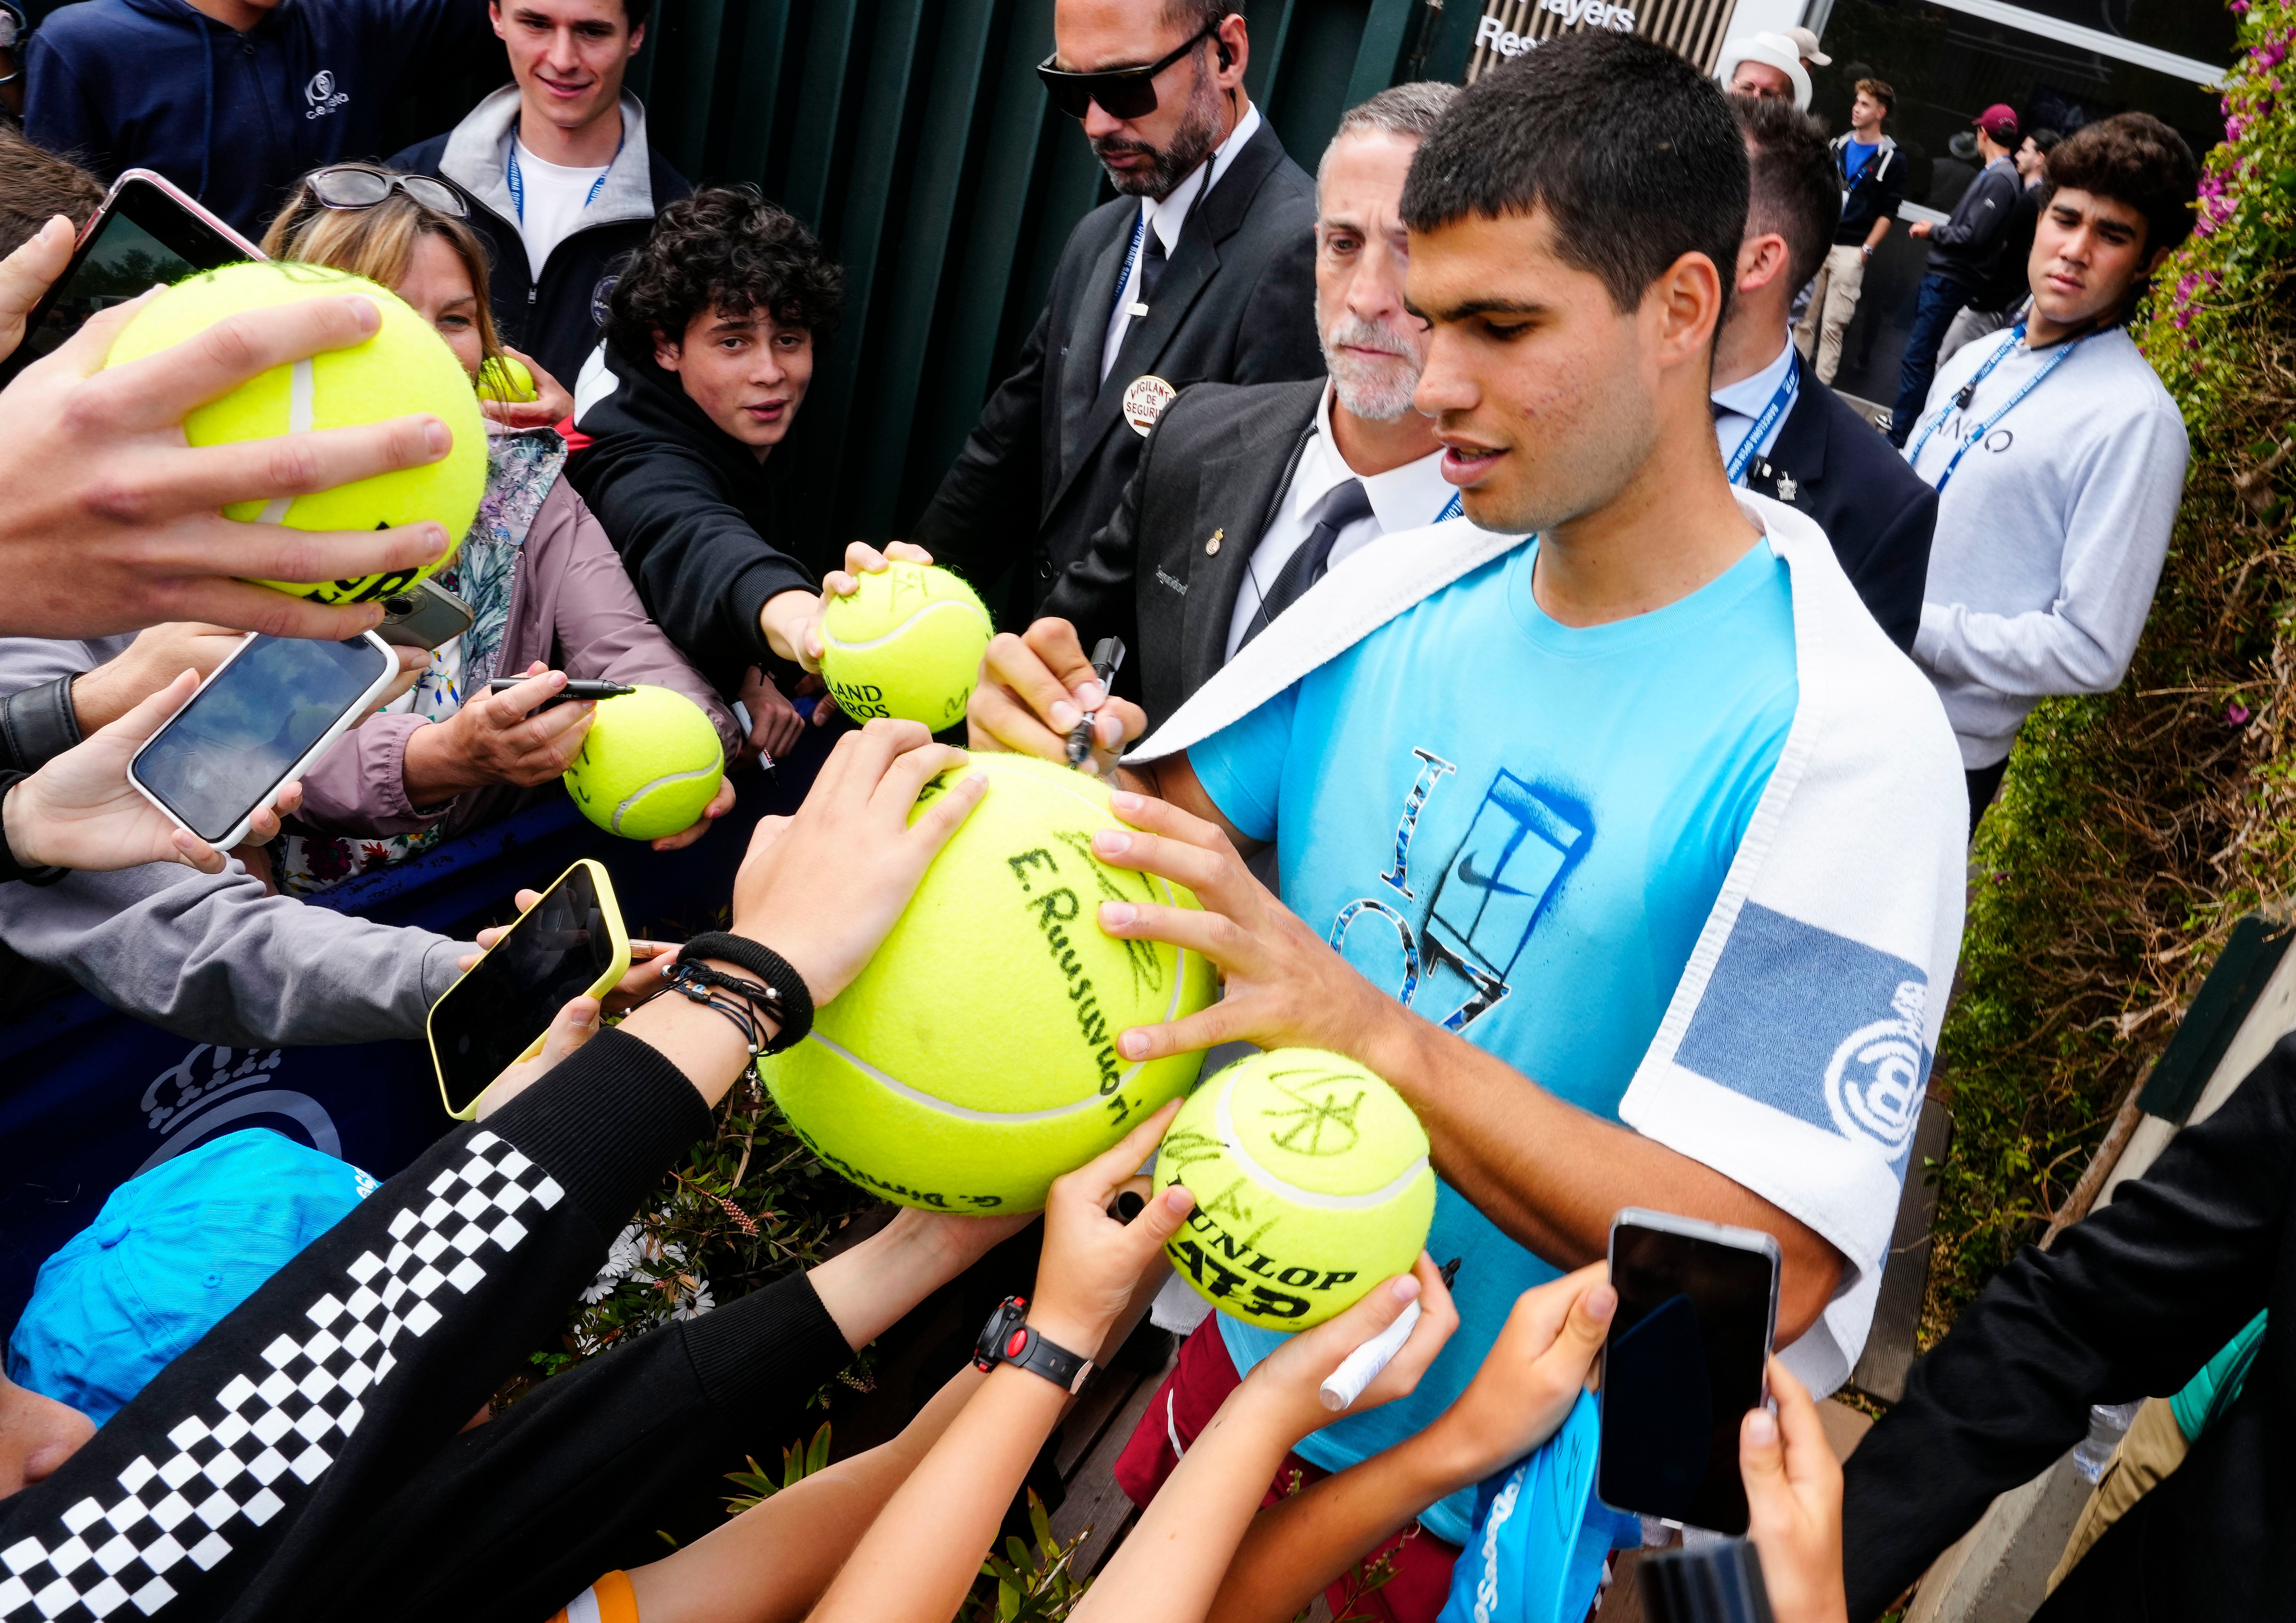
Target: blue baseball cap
<point>171,1253</point>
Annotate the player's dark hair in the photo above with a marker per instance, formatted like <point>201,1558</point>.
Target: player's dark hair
<point>35,186</point>
<point>724,248</point>
<point>1796,190</point>
<point>2133,158</point>
<point>1629,151</point>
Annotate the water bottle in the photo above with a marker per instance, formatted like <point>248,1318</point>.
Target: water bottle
<point>2108,1423</point>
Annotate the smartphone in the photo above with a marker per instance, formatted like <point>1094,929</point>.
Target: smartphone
<point>146,232</point>
<point>1697,1305</point>
<point>264,715</point>
<point>1718,1583</point>
<point>569,944</point>
<point>426,615</point>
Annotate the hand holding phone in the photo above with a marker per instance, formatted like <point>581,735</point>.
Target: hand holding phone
<point>80,811</point>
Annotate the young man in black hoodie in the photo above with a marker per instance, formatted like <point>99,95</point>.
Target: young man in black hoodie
<point>310,1456</point>
<point>709,344</point>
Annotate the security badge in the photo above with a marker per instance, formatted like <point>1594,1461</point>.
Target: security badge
<point>1144,400</point>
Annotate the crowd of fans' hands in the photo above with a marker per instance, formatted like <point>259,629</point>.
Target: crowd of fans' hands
<point>79,810</point>
<point>115,521</point>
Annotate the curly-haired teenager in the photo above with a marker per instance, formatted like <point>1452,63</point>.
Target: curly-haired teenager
<point>2057,457</point>
<point>710,349</point>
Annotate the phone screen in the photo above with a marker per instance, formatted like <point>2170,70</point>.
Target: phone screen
<point>556,951</point>
<point>1682,1365</point>
<point>147,238</point>
<point>223,753</point>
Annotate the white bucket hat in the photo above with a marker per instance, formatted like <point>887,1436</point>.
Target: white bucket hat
<point>1772,50</point>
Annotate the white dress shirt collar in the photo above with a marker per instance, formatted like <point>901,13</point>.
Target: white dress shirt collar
<point>1740,404</point>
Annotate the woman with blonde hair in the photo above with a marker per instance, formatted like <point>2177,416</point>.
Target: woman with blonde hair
<point>547,593</point>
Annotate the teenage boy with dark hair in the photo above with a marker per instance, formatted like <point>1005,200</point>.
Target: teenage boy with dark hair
<point>1634,857</point>
<point>1784,433</point>
<point>2054,512</point>
<point>710,350</point>
<point>234,100</point>
<point>1871,173</point>
<point>560,168</point>
<point>1963,252</point>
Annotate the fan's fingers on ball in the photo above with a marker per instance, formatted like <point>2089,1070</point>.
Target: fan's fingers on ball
<point>906,779</point>
<point>1101,1176</point>
<point>297,464</point>
<point>216,545</point>
<point>213,362</point>
<point>244,607</point>
<point>1192,1034</point>
<point>946,814</point>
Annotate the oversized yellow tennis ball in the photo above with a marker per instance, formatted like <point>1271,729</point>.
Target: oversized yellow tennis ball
<point>974,1059</point>
<point>404,368</point>
<point>1311,1183</point>
<point>504,377</point>
<point>907,645</point>
<point>651,762</point>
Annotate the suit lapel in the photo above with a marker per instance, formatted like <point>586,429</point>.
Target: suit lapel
<point>1799,452</point>
<point>1087,333</point>
<point>1235,496</point>
<point>1190,270</point>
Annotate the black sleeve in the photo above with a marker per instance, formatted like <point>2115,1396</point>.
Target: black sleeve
<point>1890,578</point>
<point>1892,188</point>
<point>1277,342</point>
<point>2130,1303</point>
<point>1095,593</point>
<point>985,512</point>
<point>513,1518</point>
<point>37,725</point>
<point>701,567</point>
<point>242,1468</point>
<point>1981,225</point>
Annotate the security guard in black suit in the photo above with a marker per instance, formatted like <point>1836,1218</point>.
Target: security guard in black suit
<point>1211,247</point>
<point>1818,453</point>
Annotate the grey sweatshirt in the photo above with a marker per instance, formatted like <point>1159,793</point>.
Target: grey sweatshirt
<point>2050,534</point>
<point>212,957</point>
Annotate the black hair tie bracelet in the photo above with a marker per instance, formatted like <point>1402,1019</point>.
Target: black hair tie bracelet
<point>778,994</point>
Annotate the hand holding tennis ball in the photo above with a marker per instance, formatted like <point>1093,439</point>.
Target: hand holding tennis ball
<point>405,367</point>
<point>505,378</point>
<point>905,643</point>
<point>1093,1262</point>
<point>649,765</point>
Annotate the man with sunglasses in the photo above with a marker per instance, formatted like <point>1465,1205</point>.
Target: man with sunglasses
<point>1201,271</point>
<point>562,181</point>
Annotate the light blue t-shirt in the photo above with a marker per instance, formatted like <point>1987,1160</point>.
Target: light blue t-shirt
<point>1518,829</point>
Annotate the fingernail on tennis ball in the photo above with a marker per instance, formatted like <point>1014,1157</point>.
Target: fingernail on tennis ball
<point>402,369</point>
<point>907,645</point>
<point>649,764</point>
<point>1311,1183</point>
<point>974,1059</point>
<point>504,377</point>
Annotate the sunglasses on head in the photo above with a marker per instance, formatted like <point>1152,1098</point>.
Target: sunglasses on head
<point>352,185</point>
<point>1122,93</point>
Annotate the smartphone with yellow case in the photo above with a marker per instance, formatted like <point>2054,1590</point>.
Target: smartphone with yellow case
<point>569,944</point>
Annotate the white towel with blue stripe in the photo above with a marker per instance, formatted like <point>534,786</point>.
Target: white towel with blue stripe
<point>1794,1055</point>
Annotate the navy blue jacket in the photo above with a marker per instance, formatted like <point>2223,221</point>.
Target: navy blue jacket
<point>233,118</point>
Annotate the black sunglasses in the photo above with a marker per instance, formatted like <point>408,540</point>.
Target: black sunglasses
<point>353,186</point>
<point>1123,93</point>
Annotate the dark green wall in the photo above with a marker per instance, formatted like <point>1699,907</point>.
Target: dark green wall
<point>914,136</point>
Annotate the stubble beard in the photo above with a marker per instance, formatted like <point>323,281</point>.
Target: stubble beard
<point>1377,391</point>
<point>1194,142</point>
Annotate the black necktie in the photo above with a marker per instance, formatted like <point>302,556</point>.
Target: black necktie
<point>1152,267</point>
<point>1311,559</point>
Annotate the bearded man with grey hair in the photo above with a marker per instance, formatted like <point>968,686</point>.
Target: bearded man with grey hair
<point>1246,495</point>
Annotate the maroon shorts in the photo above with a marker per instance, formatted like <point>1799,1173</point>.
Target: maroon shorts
<point>1200,1384</point>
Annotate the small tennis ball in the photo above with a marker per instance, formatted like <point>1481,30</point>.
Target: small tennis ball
<point>907,645</point>
<point>404,368</point>
<point>504,377</point>
<point>974,1059</point>
<point>1311,1183</point>
<point>651,762</point>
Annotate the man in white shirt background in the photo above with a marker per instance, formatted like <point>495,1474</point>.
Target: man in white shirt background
<point>1245,497</point>
<point>561,179</point>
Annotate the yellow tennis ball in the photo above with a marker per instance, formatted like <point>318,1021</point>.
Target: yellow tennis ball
<point>651,762</point>
<point>1311,1183</point>
<point>504,377</point>
<point>404,368</point>
<point>974,1059</point>
<point>907,645</point>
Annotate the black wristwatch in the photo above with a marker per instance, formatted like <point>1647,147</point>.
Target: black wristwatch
<point>1007,1339</point>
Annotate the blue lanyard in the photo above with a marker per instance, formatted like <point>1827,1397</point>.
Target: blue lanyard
<point>518,183</point>
<point>1781,402</point>
<point>1968,392</point>
<point>1452,509</point>
<point>1139,234</point>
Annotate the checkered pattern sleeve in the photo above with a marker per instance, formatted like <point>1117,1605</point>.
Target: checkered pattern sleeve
<point>238,1467</point>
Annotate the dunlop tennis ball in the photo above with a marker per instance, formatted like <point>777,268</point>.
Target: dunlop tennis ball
<point>907,645</point>
<point>649,764</point>
<point>1311,1183</point>
<point>974,1059</point>
<point>404,368</point>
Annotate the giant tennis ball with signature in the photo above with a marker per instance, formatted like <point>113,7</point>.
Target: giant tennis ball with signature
<point>406,368</point>
<point>974,1059</point>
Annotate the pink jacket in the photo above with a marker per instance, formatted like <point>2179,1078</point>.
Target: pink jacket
<point>572,606</point>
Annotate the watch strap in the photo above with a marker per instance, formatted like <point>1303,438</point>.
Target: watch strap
<point>793,1000</point>
<point>1010,1338</point>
